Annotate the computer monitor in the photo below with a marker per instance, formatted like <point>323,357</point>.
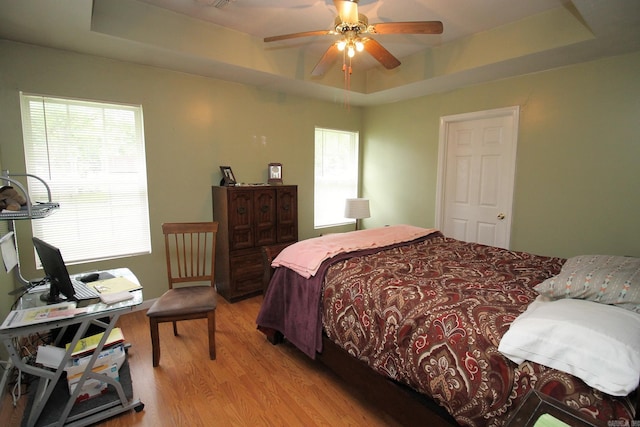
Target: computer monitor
<point>56,271</point>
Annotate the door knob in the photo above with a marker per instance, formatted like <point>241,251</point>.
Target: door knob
<point>500,216</point>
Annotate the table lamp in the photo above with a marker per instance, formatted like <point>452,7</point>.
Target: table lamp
<point>357,209</point>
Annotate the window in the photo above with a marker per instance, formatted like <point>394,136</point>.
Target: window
<point>92,156</point>
<point>336,175</point>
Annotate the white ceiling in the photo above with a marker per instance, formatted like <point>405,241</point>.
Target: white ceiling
<point>482,40</point>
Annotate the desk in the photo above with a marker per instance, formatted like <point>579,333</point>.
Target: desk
<point>48,379</point>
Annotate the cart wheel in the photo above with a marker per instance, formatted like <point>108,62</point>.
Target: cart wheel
<point>139,408</point>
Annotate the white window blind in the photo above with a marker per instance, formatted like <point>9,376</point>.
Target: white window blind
<point>336,175</point>
<point>92,156</point>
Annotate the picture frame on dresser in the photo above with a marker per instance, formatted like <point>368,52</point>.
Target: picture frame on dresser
<point>275,173</point>
<point>228,178</point>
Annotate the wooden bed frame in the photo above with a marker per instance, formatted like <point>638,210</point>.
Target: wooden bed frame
<point>406,406</point>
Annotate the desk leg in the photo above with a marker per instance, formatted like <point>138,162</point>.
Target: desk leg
<point>45,388</point>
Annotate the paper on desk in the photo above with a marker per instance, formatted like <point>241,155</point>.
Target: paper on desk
<point>9,254</point>
<point>46,313</point>
<point>114,285</point>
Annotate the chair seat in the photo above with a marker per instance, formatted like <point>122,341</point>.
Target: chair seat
<point>187,300</point>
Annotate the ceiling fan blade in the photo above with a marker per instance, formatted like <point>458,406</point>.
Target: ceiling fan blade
<point>326,61</point>
<point>383,56</point>
<point>347,10</point>
<point>418,27</point>
<point>297,35</point>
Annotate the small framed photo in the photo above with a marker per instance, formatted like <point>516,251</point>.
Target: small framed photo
<point>228,178</point>
<point>275,173</point>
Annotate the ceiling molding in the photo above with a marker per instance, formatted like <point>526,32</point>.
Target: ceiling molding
<point>141,32</point>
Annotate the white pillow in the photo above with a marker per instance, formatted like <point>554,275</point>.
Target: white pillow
<point>597,343</point>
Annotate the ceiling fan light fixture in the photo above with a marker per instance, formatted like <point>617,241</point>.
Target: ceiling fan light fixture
<point>351,51</point>
<point>341,45</point>
<point>359,45</point>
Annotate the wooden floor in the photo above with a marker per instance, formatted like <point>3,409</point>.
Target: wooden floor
<point>252,383</point>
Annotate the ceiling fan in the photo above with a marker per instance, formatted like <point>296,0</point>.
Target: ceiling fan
<point>353,27</point>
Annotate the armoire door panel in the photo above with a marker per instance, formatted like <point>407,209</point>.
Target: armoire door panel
<point>241,232</point>
<point>265,217</point>
<point>287,228</point>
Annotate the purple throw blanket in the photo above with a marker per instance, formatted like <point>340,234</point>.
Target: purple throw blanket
<point>292,303</point>
<point>291,307</point>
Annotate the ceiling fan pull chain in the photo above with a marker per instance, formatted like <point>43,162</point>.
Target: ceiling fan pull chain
<point>347,70</point>
<point>344,70</point>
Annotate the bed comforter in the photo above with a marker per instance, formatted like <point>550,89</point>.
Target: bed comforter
<point>430,314</point>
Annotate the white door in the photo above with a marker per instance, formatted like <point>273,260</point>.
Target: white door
<point>476,170</point>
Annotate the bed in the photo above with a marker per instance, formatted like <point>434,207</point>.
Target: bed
<point>426,315</point>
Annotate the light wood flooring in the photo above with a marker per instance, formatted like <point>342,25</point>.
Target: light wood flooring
<point>252,383</point>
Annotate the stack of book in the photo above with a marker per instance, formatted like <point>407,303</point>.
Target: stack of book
<point>107,363</point>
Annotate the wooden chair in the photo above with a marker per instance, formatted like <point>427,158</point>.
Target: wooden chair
<point>190,255</point>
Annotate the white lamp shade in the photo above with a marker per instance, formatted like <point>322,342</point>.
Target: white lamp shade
<point>357,208</point>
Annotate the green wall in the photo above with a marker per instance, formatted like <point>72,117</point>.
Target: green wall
<point>192,126</point>
<point>577,176</point>
<point>577,186</point>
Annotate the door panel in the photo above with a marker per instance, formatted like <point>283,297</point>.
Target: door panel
<point>287,202</point>
<point>462,180</point>
<point>487,233</point>
<point>240,220</point>
<point>265,217</point>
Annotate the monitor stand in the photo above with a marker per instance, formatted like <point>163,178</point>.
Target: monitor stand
<point>51,299</point>
<point>53,296</point>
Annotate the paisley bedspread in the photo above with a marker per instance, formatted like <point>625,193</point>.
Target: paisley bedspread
<point>430,314</point>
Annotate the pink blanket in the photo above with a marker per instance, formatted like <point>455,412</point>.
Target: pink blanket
<point>306,256</point>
